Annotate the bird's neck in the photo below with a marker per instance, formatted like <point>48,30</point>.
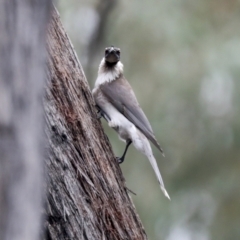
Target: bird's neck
<point>108,72</point>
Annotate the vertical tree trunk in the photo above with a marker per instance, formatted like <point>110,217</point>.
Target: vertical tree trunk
<point>22,55</point>
<point>87,197</point>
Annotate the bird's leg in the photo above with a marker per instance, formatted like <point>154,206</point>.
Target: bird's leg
<point>121,159</point>
<point>101,113</point>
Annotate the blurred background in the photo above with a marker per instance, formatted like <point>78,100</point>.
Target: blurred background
<point>182,58</point>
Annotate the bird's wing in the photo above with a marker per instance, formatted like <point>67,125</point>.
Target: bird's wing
<point>122,97</point>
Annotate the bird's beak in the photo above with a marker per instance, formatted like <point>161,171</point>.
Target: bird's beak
<point>112,56</point>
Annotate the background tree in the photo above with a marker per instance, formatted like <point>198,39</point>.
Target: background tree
<point>22,61</point>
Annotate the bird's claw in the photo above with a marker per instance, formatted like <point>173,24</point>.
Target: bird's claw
<point>101,113</point>
<point>119,160</point>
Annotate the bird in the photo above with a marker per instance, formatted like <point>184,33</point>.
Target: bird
<point>118,105</point>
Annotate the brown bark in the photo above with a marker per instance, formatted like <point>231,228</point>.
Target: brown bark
<point>22,54</point>
<point>87,197</point>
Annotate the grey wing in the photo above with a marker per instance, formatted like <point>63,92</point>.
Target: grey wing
<point>120,94</point>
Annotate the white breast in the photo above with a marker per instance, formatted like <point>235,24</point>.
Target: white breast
<point>104,77</point>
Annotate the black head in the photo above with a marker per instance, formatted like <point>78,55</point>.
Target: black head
<point>112,55</point>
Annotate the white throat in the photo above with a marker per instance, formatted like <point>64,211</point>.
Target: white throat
<point>108,76</point>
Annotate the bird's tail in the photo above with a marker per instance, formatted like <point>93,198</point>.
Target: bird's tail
<point>153,162</point>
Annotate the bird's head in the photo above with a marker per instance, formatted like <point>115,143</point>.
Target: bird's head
<point>112,55</point>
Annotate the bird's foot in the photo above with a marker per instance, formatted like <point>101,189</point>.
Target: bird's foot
<point>120,159</point>
<point>101,113</point>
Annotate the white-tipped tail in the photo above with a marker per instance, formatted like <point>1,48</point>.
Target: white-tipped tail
<point>165,192</point>
<point>141,143</point>
<point>158,174</point>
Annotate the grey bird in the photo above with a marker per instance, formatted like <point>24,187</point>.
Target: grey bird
<point>118,104</point>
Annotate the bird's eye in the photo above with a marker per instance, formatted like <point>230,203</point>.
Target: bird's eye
<point>106,51</point>
<point>118,52</point>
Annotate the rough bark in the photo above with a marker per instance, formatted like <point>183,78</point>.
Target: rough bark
<point>22,54</point>
<point>87,196</point>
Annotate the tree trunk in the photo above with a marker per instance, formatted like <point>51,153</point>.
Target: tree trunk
<point>22,55</point>
<point>87,196</point>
